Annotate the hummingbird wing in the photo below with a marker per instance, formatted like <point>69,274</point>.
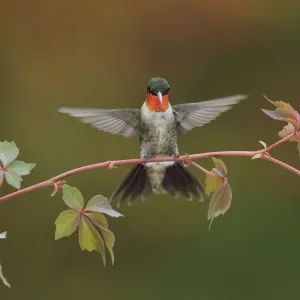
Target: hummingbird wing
<point>125,122</point>
<point>192,115</point>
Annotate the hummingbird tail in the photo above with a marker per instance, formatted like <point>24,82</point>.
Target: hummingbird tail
<point>179,180</point>
<point>134,185</point>
<point>175,180</point>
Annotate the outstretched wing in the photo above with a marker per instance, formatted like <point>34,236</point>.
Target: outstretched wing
<point>125,122</point>
<point>192,115</point>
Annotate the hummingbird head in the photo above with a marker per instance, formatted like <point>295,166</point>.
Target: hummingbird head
<point>157,95</point>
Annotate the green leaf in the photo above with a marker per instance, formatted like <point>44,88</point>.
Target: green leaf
<point>100,204</point>
<point>3,235</point>
<point>109,238</point>
<point>220,202</point>
<point>8,152</point>
<point>90,239</point>
<point>98,218</point>
<point>20,167</point>
<point>72,197</point>
<point>3,278</point>
<point>66,223</point>
<point>13,179</point>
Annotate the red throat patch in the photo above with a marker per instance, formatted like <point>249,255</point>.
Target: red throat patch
<point>154,104</point>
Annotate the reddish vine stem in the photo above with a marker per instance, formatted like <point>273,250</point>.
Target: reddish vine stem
<point>111,164</point>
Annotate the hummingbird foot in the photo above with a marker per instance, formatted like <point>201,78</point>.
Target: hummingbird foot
<point>149,156</point>
<point>176,155</point>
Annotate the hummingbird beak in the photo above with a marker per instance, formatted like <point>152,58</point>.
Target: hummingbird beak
<point>160,98</point>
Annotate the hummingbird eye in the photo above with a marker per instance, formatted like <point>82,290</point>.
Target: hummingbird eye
<point>166,91</point>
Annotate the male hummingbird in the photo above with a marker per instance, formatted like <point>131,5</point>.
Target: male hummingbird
<point>156,124</point>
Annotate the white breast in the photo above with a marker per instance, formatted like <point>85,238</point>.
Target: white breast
<point>159,121</point>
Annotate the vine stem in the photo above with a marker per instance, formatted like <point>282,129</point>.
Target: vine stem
<point>262,154</point>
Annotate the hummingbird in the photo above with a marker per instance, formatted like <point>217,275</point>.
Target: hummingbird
<point>156,125</point>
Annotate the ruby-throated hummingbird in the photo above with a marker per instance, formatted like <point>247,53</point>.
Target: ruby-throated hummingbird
<point>156,124</point>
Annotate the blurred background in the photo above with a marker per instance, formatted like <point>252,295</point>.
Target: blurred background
<point>102,54</point>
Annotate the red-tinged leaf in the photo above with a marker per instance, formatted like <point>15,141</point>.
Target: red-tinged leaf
<point>220,202</point>
<point>297,118</point>
<point>287,130</point>
<point>275,114</point>
<point>72,197</point>
<point>281,104</point>
<point>66,223</point>
<point>90,239</point>
<point>284,112</point>
<point>2,175</point>
<point>100,204</point>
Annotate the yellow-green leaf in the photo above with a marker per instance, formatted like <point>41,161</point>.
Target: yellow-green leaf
<point>90,239</point>
<point>66,223</point>
<point>220,166</point>
<point>212,183</point>
<point>110,239</point>
<point>281,104</point>
<point>3,278</point>
<point>220,202</point>
<point>72,197</point>
<point>98,218</point>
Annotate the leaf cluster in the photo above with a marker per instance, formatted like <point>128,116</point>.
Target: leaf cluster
<point>285,112</point>
<point>217,183</point>
<point>10,168</point>
<point>90,221</point>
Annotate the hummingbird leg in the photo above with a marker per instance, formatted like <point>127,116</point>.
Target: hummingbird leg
<point>175,150</point>
<point>149,156</point>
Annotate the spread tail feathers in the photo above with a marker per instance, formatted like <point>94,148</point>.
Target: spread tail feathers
<point>134,185</point>
<point>180,180</point>
<point>177,180</point>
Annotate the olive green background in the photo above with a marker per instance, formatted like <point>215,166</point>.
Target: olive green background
<point>102,54</point>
